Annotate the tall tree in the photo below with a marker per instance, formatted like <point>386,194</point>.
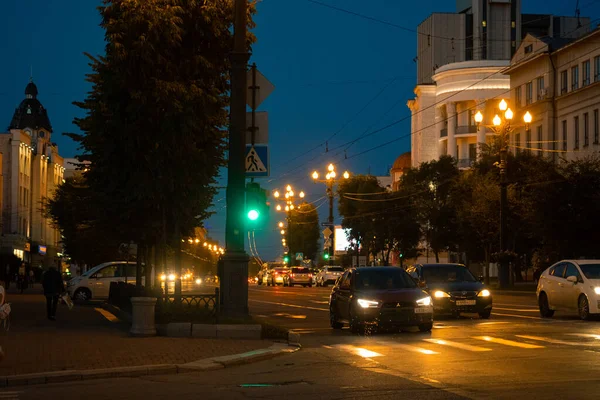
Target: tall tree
<point>303,231</point>
<point>154,125</point>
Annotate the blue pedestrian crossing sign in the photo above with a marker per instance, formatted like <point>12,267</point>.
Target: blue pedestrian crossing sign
<point>257,160</point>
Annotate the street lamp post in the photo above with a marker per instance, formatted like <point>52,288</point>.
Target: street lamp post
<point>502,126</point>
<point>330,179</point>
<point>288,206</point>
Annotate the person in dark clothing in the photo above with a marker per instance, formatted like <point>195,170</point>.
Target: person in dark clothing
<point>53,287</point>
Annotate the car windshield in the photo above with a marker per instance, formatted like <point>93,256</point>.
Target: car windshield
<point>591,271</point>
<point>335,269</point>
<point>383,280</point>
<point>281,270</point>
<point>91,271</point>
<point>447,273</point>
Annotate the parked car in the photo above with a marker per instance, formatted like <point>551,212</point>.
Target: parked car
<point>328,275</point>
<point>379,296</point>
<point>453,288</point>
<point>298,276</point>
<point>570,285</point>
<point>275,276</point>
<point>95,283</point>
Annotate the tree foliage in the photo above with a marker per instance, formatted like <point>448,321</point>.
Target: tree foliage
<point>303,231</point>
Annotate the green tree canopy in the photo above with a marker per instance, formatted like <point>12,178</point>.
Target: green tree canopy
<point>303,231</point>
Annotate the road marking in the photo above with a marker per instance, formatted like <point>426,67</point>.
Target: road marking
<point>457,345</point>
<point>415,349</point>
<point>292,316</point>
<point>517,309</point>
<point>508,342</point>
<point>588,335</point>
<point>549,340</point>
<point>9,395</point>
<point>359,351</point>
<point>515,315</point>
<point>319,302</point>
<point>327,347</point>
<point>515,305</point>
<point>289,305</point>
<point>109,316</point>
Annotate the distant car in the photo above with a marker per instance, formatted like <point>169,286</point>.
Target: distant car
<point>328,275</point>
<point>275,276</point>
<point>453,288</point>
<point>379,296</point>
<point>570,285</point>
<point>298,276</point>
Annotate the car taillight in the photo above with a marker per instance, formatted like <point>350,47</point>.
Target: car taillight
<point>292,275</point>
<point>275,273</point>
<point>310,275</point>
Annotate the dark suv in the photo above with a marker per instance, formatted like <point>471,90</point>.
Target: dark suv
<point>381,296</point>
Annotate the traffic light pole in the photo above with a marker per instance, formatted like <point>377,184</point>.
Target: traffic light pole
<point>234,268</point>
<point>330,221</point>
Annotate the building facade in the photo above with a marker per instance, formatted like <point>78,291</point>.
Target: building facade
<point>32,170</point>
<point>461,63</point>
<point>558,82</point>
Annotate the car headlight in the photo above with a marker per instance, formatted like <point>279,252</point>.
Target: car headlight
<point>198,281</point>
<point>597,290</point>
<point>484,293</point>
<point>171,277</point>
<point>439,294</point>
<point>367,303</point>
<point>425,301</point>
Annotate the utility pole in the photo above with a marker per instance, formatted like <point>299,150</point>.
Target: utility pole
<point>234,268</point>
<point>330,220</point>
<point>503,273</point>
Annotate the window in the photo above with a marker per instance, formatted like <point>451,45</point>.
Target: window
<point>345,281</point>
<point>528,141</point>
<point>596,127</point>
<point>586,73</point>
<point>575,77</point>
<point>563,82</point>
<point>591,271</point>
<point>472,151</point>
<point>518,97</point>
<point>596,68</point>
<point>541,89</point>
<point>528,49</point>
<point>571,270</point>
<point>576,131</point>
<point>528,93</point>
<point>586,129</point>
<point>564,132</point>
<point>108,272</point>
<point>518,142</point>
<point>539,140</point>
<point>558,271</point>
<point>390,278</point>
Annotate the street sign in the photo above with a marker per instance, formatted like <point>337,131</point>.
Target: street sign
<point>362,261</point>
<point>263,88</point>
<point>257,160</point>
<point>299,256</point>
<point>327,232</point>
<point>327,244</point>
<point>261,122</point>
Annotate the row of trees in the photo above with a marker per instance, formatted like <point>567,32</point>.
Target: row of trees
<point>551,213</point>
<point>154,129</point>
<point>303,233</point>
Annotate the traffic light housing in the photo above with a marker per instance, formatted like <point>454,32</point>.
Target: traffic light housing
<point>286,259</point>
<point>257,210</point>
<point>326,256</point>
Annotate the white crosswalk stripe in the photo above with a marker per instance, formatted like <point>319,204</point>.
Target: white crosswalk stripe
<point>507,342</point>
<point>457,345</point>
<point>9,395</point>
<point>550,340</point>
<point>409,347</point>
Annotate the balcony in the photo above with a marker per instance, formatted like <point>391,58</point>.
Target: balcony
<point>466,129</point>
<point>444,132</point>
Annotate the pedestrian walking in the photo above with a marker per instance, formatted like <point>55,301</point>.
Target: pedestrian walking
<point>53,287</point>
<point>31,277</point>
<point>7,277</point>
<point>22,278</point>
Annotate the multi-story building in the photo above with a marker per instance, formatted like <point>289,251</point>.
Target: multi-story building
<point>461,63</point>
<point>558,82</point>
<point>32,170</point>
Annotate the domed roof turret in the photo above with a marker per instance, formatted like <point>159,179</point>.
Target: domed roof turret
<point>31,90</point>
<point>403,162</point>
<point>30,113</point>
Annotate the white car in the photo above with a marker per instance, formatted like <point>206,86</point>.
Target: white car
<point>95,283</point>
<point>328,275</point>
<point>570,285</point>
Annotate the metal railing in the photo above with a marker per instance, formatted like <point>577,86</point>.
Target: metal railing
<point>465,163</point>
<point>463,129</point>
<point>444,132</point>
<point>206,303</point>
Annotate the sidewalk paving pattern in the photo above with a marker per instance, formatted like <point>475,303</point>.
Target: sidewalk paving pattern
<point>83,339</point>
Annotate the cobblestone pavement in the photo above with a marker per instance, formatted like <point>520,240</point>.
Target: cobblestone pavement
<point>84,339</point>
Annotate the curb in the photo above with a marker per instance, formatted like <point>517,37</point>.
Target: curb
<point>207,364</point>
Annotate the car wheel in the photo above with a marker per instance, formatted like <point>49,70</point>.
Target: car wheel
<point>303,285</point>
<point>545,310</point>
<point>485,314</point>
<point>333,321</point>
<point>259,282</point>
<point>584,308</point>
<point>426,327</point>
<point>82,296</point>
<point>310,285</point>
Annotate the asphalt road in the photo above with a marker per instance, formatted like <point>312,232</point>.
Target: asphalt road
<point>513,355</point>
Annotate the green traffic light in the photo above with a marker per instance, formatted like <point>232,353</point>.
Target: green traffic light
<point>326,256</point>
<point>253,215</point>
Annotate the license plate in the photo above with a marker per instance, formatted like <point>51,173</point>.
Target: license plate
<point>465,302</point>
<point>423,310</point>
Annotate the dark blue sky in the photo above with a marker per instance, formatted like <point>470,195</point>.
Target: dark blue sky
<point>326,66</point>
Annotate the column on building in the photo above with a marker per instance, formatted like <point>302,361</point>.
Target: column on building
<point>451,110</point>
<point>481,139</point>
<point>439,125</point>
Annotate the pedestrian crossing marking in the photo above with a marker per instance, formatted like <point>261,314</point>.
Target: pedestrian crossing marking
<point>461,346</point>
<point>10,395</point>
<point>414,349</point>
<point>507,342</point>
<point>359,351</point>
<point>548,340</point>
<point>588,335</point>
<point>109,316</point>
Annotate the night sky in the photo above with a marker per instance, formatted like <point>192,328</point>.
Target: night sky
<point>337,76</point>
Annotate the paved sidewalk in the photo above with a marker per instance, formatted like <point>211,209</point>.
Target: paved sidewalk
<point>83,339</point>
